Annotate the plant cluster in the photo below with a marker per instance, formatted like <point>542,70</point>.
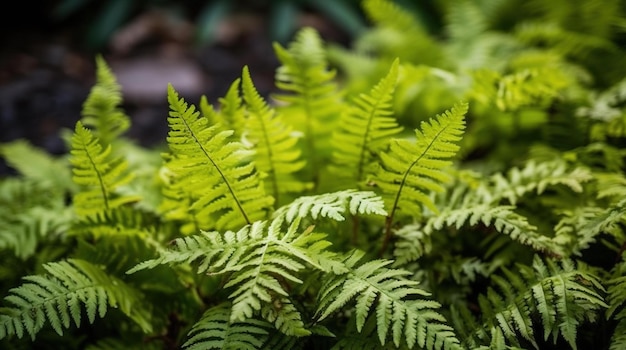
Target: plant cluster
<point>411,192</point>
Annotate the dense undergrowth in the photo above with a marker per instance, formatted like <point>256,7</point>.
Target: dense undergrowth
<point>412,191</point>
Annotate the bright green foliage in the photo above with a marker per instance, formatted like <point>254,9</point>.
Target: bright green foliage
<point>617,302</point>
<point>559,295</point>
<point>215,330</point>
<point>57,297</point>
<point>101,111</point>
<point>410,170</point>
<point>257,258</point>
<point>272,139</point>
<point>35,164</point>
<point>401,313</point>
<point>231,114</point>
<point>332,205</point>
<point>214,171</point>
<point>311,220</point>
<point>310,93</point>
<point>364,128</point>
<point>98,174</point>
<point>28,218</point>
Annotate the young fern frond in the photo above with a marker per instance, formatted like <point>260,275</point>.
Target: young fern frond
<point>101,111</point>
<point>560,294</point>
<point>332,205</point>
<point>215,172</point>
<point>97,173</point>
<point>410,170</point>
<point>231,113</point>
<point>216,330</point>
<point>57,298</point>
<point>259,260</point>
<point>400,309</point>
<point>309,87</point>
<point>363,127</point>
<point>276,154</point>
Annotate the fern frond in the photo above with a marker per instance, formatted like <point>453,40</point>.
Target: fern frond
<point>367,122</point>
<point>503,218</point>
<point>617,304</point>
<point>400,309</point>
<point>309,87</point>
<point>332,205</point>
<point>411,243</point>
<point>57,298</point>
<point>276,154</point>
<point>285,317</point>
<point>257,258</point>
<point>537,177</point>
<point>231,114</point>
<point>30,214</point>
<point>101,110</point>
<point>98,174</point>
<point>216,330</point>
<point>565,42</point>
<point>560,294</point>
<point>410,170</point>
<point>397,33</point>
<point>216,173</point>
<point>35,164</point>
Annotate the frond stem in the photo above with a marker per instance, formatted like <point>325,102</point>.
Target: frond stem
<point>389,219</point>
<point>208,156</point>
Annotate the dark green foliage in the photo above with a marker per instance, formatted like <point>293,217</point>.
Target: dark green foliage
<point>461,191</point>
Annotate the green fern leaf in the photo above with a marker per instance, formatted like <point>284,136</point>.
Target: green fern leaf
<point>561,295</point>
<point>97,173</point>
<point>274,143</point>
<point>503,218</point>
<point>216,330</point>
<point>332,205</point>
<point>57,298</point>
<point>408,171</point>
<point>363,127</point>
<point>617,303</point>
<point>214,171</point>
<point>256,258</point>
<point>31,213</point>
<point>309,92</point>
<point>232,112</point>
<point>101,110</point>
<point>35,164</point>
<point>400,309</point>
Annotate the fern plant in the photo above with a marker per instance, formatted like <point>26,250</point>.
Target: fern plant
<point>461,192</point>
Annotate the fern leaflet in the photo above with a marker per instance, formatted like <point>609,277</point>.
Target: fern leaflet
<point>561,295</point>
<point>57,297</point>
<point>309,87</point>
<point>257,258</point>
<point>332,205</point>
<point>408,170</point>
<point>362,128</point>
<point>98,173</point>
<point>276,154</point>
<point>101,111</point>
<point>213,170</point>
<point>216,330</point>
<point>399,307</point>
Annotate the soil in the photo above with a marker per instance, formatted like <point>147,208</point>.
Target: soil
<point>47,69</point>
